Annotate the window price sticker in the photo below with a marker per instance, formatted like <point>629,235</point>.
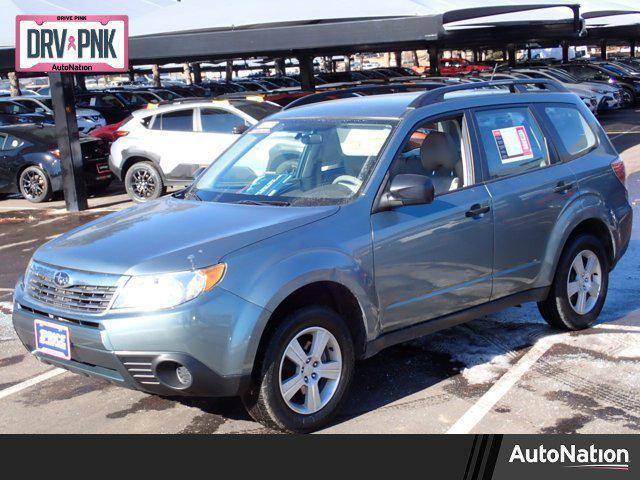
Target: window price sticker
<point>513,144</point>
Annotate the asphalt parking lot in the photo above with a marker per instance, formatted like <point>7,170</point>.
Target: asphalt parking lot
<point>504,373</point>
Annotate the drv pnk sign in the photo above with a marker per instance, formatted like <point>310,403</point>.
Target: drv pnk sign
<point>72,43</point>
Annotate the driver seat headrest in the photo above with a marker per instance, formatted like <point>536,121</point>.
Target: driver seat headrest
<point>436,152</point>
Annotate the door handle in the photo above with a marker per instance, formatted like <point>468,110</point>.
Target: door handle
<point>563,187</point>
<point>476,210</point>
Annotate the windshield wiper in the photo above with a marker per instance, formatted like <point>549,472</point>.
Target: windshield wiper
<point>277,203</point>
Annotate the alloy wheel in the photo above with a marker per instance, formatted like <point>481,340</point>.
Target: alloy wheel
<point>33,184</point>
<point>584,282</point>
<point>310,370</point>
<point>143,183</point>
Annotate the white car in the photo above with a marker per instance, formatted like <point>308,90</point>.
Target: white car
<point>606,97</point>
<point>87,119</point>
<point>586,95</point>
<point>165,145</point>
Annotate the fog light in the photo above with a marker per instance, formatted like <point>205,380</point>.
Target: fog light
<point>184,375</point>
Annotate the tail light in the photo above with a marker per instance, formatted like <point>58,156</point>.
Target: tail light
<point>55,153</point>
<point>120,133</point>
<point>618,168</point>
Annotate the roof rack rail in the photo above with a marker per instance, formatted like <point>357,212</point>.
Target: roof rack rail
<point>353,92</point>
<point>515,86</point>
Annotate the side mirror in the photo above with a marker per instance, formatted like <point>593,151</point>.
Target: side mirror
<point>198,172</point>
<point>239,129</point>
<point>408,189</point>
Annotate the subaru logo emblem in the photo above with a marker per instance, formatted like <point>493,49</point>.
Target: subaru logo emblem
<point>61,279</point>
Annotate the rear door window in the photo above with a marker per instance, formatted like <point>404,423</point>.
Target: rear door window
<point>216,120</point>
<point>574,133</point>
<point>512,141</point>
<point>176,121</point>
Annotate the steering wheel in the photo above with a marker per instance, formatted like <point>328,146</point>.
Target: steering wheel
<point>349,181</point>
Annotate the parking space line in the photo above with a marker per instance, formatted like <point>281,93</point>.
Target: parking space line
<point>631,130</point>
<point>11,245</point>
<point>31,382</point>
<point>498,390</point>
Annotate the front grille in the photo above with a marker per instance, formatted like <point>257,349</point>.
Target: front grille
<point>77,298</point>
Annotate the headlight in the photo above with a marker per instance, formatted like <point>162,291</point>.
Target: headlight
<point>155,292</point>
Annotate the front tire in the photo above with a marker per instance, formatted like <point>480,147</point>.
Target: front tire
<point>306,371</point>
<point>579,289</point>
<point>143,182</point>
<point>35,185</point>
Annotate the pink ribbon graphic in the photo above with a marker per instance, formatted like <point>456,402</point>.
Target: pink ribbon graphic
<point>72,43</point>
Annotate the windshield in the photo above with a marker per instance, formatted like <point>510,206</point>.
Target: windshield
<point>295,162</point>
<point>258,110</point>
<point>562,76</point>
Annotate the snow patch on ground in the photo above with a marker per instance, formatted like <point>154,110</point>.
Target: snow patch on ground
<point>488,347</point>
<point>6,328</point>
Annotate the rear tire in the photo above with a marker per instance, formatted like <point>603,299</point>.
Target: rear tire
<point>579,289</point>
<point>143,182</point>
<point>34,185</point>
<point>303,394</point>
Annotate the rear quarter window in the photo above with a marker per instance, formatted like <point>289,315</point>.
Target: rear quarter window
<point>575,134</point>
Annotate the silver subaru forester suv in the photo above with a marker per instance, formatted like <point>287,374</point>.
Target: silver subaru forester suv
<point>330,231</point>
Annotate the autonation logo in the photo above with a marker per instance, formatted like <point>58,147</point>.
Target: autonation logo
<point>590,458</point>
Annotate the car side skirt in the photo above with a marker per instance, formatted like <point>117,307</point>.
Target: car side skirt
<point>431,326</point>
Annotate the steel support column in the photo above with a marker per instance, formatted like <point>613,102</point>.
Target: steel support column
<point>632,47</point>
<point>433,60</point>
<point>565,51</point>
<point>197,72</point>
<point>307,79</point>
<point>155,71</point>
<point>603,49</point>
<point>62,94</point>
<point>228,71</point>
<point>186,70</point>
<point>281,67</point>
<point>14,84</point>
<point>398,58</point>
<point>512,55</point>
<point>80,82</point>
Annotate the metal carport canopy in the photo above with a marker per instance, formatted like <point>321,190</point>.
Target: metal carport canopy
<point>177,33</point>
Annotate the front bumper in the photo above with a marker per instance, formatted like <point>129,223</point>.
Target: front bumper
<point>142,351</point>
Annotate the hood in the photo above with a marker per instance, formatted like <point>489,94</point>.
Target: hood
<point>171,235</point>
<point>86,112</point>
<point>581,90</point>
<point>601,86</point>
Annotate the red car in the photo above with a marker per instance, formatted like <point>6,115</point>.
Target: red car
<point>460,66</point>
<point>107,132</point>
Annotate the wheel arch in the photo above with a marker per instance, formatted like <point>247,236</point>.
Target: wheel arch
<point>327,293</point>
<point>140,157</point>
<point>22,168</point>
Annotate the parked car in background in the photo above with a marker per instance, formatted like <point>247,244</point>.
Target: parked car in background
<point>587,95</point>
<point>8,119</point>
<point>166,145</point>
<point>460,66</point>
<point>269,283</point>
<point>107,132</point>
<point>107,103</point>
<point>30,162</point>
<point>9,107</point>
<point>87,119</point>
<point>591,72</point>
